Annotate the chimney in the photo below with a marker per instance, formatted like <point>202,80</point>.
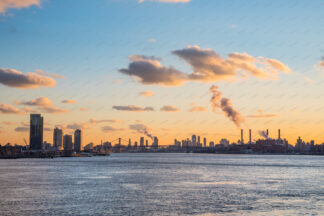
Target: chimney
<point>242,141</point>
<point>279,134</point>
<point>250,140</point>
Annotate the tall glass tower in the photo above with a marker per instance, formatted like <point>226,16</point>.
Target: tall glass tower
<point>78,140</point>
<point>36,132</point>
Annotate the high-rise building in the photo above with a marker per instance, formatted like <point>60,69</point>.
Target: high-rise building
<point>193,140</point>
<point>77,140</point>
<point>129,143</point>
<point>135,144</point>
<point>58,139</point>
<point>211,144</point>
<point>155,142</point>
<point>142,142</point>
<point>146,143</point>
<point>205,142</point>
<point>36,132</point>
<point>199,144</point>
<point>67,142</point>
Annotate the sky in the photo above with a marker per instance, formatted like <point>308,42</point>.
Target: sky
<point>171,68</point>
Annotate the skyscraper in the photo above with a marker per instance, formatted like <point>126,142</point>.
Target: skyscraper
<point>205,142</point>
<point>78,140</point>
<point>129,143</point>
<point>199,144</point>
<point>155,142</point>
<point>58,139</point>
<point>67,142</point>
<point>36,132</point>
<point>193,140</point>
<point>142,142</point>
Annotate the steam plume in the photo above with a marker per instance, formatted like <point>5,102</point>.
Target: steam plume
<point>263,134</point>
<point>225,104</point>
<point>140,128</point>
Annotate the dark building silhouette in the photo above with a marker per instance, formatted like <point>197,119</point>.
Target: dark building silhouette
<point>142,142</point>
<point>78,140</point>
<point>67,142</point>
<point>36,132</point>
<point>58,139</point>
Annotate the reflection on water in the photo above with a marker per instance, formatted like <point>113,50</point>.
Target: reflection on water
<point>163,184</point>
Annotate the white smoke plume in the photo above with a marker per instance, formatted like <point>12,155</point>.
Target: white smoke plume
<point>225,104</point>
<point>263,134</point>
<point>140,128</point>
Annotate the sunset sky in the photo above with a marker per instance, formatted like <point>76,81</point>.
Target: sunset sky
<point>117,67</point>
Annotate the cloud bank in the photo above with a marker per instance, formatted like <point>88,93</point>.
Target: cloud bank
<point>148,70</point>
<point>17,4</point>
<point>207,66</point>
<point>169,108</point>
<point>69,101</point>
<point>133,108</point>
<point>44,104</point>
<point>146,93</point>
<point>8,109</point>
<point>16,79</point>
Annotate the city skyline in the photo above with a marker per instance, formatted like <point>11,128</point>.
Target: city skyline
<point>232,66</point>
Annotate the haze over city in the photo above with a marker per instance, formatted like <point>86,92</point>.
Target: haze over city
<point>169,69</point>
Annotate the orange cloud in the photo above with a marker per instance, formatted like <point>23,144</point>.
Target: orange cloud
<point>146,93</point>
<point>17,4</point>
<point>8,109</point>
<point>198,109</point>
<point>69,101</point>
<point>169,108</point>
<point>207,65</point>
<point>16,79</point>
<point>44,104</point>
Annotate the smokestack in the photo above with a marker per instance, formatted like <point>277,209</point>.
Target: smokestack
<point>267,132</point>
<point>279,134</point>
<point>242,141</point>
<point>250,136</point>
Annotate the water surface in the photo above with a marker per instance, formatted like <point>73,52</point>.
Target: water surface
<point>164,184</point>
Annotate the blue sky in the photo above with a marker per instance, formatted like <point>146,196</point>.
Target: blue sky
<point>88,41</point>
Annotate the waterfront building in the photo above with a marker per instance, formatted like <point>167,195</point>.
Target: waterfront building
<point>67,142</point>
<point>36,132</point>
<point>78,140</point>
<point>142,142</point>
<point>58,139</point>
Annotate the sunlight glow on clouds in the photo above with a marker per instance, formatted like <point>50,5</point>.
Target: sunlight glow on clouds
<point>207,65</point>
<point>43,104</point>
<point>133,108</point>
<point>16,79</point>
<point>17,4</point>
<point>169,108</point>
<point>8,109</point>
<point>146,93</point>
